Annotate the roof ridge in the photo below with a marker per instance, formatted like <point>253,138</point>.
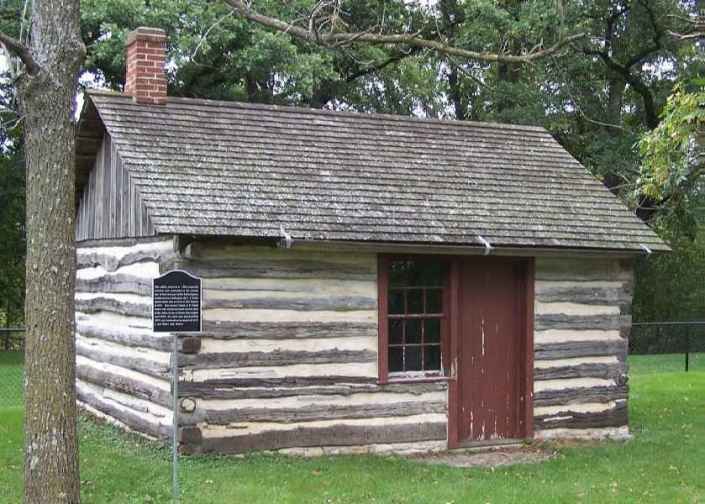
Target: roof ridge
<point>174,100</point>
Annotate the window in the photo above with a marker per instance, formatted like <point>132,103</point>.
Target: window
<point>414,316</point>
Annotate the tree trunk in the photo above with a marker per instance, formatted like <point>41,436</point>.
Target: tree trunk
<point>455,93</point>
<point>46,97</point>
<point>615,98</point>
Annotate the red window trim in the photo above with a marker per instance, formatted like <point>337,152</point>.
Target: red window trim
<point>382,327</point>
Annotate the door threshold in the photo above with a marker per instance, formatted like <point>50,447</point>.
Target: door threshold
<point>489,444</point>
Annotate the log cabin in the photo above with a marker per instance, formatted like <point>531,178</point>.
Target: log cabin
<point>371,283</point>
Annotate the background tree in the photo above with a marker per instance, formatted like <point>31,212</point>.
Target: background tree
<point>12,246</point>
<point>598,96</point>
<point>49,58</point>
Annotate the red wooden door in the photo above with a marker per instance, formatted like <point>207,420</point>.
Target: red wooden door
<point>492,350</point>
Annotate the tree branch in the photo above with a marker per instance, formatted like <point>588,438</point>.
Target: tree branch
<point>696,31</point>
<point>635,82</point>
<point>687,36</point>
<point>342,38</point>
<point>17,48</point>
<point>369,69</point>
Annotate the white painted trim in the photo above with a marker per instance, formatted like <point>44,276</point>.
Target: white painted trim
<point>572,383</point>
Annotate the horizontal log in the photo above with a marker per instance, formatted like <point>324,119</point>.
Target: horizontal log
<point>543,322</point>
<point>301,303</point>
<point>580,395</point>
<point>571,349</point>
<point>190,345</point>
<point>613,371</point>
<point>121,382</point>
<point>219,250</point>
<point>276,286</point>
<point>312,412</point>
<point>338,435</point>
<point>288,381</point>
<point>113,257</point>
<point>209,391</point>
<point>122,242</point>
<point>136,360</point>
<point>583,269</point>
<point>286,330</point>
<point>97,304</point>
<point>249,268</point>
<point>128,336</point>
<point>119,283</point>
<point>584,295</point>
<point>189,436</point>
<point>274,358</point>
<point>135,420</point>
<point>614,417</point>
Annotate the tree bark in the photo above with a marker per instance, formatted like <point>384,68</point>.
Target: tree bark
<point>46,97</point>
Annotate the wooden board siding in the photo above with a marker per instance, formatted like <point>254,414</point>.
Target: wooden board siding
<point>122,367</point>
<point>288,358</point>
<point>582,320</point>
<point>108,204</point>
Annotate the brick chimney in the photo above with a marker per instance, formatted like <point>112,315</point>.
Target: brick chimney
<point>145,80</point>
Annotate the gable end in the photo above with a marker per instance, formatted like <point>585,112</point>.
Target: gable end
<point>109,203</point>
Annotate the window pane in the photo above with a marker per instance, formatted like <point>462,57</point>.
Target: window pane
<point>413,358</point>
<point>430,274</point>
<point>413,331</point>
<point>396,302</point>
<point>410,273</point>
<point>396,359</point>
<point>414,300</point>
<point>396,334</point>
<point>434,301</point>
<point>400,273</point>
<point>432,331</point>
<point>432,358</point>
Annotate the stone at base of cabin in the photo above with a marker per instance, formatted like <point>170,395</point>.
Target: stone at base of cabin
<point>607,433</point>
<point>492,458</point>
<point>373,449</point>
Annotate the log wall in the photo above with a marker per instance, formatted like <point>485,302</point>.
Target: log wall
<point>581,329</point>
<point>288,355</point>
<point>122,367</point>
<point>109,205</point>
<point>288,359</point>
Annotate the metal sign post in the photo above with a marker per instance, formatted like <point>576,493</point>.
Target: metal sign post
<point>176,308</point>
<point>175,425</point>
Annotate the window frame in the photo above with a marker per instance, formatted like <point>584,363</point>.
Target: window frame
<point>383,281</point>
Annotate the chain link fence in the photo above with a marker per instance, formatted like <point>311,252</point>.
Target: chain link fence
<point>658,338</point>
<point>11,367</point>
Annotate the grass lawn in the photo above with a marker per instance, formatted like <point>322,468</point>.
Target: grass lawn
<point>642,364</point>
<point>662,464</point>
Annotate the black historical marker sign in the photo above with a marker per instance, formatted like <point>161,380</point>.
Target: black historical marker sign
<point>176,302</point>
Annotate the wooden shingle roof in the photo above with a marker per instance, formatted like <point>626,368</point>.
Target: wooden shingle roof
<point>224,168</point>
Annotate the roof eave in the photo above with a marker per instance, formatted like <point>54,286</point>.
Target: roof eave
<point>388,247</point>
